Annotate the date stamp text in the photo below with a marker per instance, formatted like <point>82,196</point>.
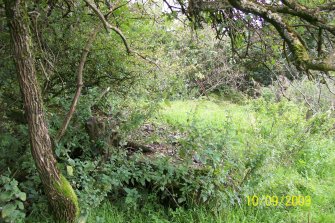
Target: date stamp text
<point>275,201</point>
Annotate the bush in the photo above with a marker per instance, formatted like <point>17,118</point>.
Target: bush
<point>11,200</point>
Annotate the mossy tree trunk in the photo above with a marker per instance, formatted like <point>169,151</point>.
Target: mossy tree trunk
<point>61,196</point>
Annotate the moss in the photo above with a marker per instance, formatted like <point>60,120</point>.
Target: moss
<point>300,52</point>
<point>65,190</point>
<point>302,57</point>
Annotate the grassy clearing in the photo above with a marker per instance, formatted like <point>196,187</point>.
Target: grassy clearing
<point>299,155</point>
<point>205,114</point>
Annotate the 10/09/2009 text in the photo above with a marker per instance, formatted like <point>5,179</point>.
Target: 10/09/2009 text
<point>275,201</point>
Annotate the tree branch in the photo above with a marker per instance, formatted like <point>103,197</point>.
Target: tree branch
<point>107,25</point>
<point>278,15</point>
<point>292,38</point>
<point>75,100</point>
<point>311,16</point>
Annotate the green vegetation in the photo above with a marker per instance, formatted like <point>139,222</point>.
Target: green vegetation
<point>295,155</point>
<point>270,149</point>
<point>200,111</point>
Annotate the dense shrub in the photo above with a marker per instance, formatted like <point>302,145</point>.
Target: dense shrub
<point>11,200</point>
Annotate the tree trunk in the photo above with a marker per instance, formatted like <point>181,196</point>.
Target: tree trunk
<point>61,197</point>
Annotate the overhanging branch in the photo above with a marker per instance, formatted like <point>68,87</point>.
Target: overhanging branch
<point>293,39</point>
<point>107,25</point>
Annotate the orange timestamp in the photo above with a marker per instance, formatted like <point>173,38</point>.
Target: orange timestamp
<point>275,201</point>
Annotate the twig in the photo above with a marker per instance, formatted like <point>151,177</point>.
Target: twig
<point>327,85</point>
<point>320,92</point>
<point>101,96</point>
<point>145,58</point>
<point>305,98</point>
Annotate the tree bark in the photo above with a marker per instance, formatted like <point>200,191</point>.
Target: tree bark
<point>62,199</point>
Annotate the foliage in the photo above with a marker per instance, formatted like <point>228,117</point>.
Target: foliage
<point>11,200</point>
<point>212,145</point>
<point>226,152</point>
<point>269,148</point>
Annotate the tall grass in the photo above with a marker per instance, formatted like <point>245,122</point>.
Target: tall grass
<point>298,154</point>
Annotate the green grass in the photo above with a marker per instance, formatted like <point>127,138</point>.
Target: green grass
<point>111,213</point>
<point>205,113</point>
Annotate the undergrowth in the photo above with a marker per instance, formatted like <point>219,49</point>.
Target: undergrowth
<point>223,153</point>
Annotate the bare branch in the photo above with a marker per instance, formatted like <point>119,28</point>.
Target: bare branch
<point>145,58</point>
<point>101,96</point>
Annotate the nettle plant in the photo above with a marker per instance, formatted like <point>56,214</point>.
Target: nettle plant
<point>11,200</point>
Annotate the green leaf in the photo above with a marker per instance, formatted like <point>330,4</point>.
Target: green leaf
<point>181,200</point>
<point>5,196</point>
<point>22,196</point>
<point>20,205</point>
<point>69,170</point>
<point>7,210</point>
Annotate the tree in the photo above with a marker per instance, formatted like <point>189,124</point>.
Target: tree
<point>307,29</point>
<point>62,199</point>
<point>61,196</point>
